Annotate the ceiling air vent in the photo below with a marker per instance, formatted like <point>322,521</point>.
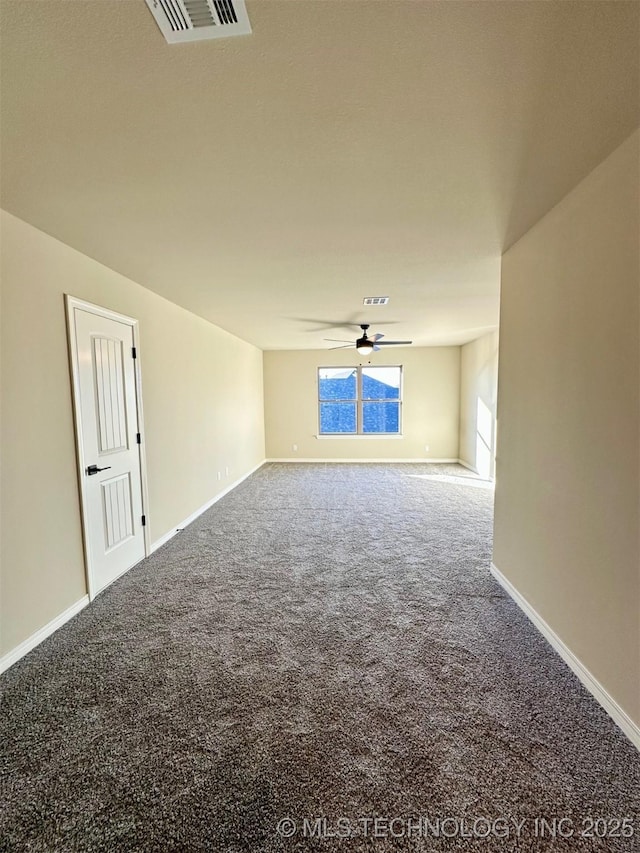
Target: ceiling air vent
<point>192,20</point>
<point>375,300</point>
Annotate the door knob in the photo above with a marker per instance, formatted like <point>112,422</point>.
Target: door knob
<point>93,469</point>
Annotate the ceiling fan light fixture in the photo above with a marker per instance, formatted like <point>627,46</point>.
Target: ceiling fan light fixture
<point>364,346</point>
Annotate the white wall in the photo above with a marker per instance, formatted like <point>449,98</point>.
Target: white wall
<point>430,410</point>
<point>567,504</point>
<point>203,408</point>
<point>478,399</point>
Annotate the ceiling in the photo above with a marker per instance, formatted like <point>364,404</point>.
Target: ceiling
<point>345,149</point>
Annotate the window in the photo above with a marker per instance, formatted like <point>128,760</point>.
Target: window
<point>359,400</point>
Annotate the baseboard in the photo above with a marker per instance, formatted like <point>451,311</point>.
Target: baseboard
<point>187,521</point>
<point>467,465</point>
<point>423,460</point>
<point>617,714</point>
<point>35,639</point>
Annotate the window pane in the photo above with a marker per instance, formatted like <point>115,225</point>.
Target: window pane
<point>381,417</point>
<point>381,383</point>
<point>337,417</point>
<point>337,383</point>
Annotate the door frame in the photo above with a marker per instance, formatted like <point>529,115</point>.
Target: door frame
<point>72,303</point>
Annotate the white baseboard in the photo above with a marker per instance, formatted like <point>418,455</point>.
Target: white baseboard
<point>424,460</point>
<point>187,521</point>
<point>35,639</point>
<point>617,714</point>
<point>467,465</point>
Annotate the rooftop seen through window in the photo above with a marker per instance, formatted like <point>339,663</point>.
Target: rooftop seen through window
<point>359,400</point>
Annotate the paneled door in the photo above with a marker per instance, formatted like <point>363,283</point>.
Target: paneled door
<point>106,400</point>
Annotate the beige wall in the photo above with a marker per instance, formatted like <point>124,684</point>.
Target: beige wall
<point>478,397</point>
<point>203,408</point>
<point>567,484</point>
<point>430,411</point>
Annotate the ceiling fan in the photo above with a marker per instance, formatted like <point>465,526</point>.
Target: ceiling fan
<point>365,344</point>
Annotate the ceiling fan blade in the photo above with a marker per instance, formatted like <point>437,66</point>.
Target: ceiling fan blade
<point>394,343</point>
<point>338,340</point>
<point>344,346</point>
<point>376,348</point>
<point>376,337</point>
<point>323,325</point>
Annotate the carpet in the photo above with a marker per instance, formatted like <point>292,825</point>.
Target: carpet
<point>320,662</point>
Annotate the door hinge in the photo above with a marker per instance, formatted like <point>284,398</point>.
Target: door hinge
<point>134,354</point>
<point>144,520</point>
<point>138,438</point>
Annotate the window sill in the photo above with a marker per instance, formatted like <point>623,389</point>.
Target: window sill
<point>351,436</point>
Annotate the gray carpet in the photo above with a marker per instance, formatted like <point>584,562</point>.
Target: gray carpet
<point>325,645</point>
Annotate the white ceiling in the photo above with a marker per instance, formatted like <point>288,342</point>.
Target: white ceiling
<point>345,149</point>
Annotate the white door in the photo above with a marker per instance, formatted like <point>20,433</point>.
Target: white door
<point>104,372</point>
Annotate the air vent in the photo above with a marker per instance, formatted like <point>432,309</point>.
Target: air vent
<point>193,20</point>
<point>375,300</point>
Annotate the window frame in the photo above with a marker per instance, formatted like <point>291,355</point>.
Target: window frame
<point>359,401</point>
